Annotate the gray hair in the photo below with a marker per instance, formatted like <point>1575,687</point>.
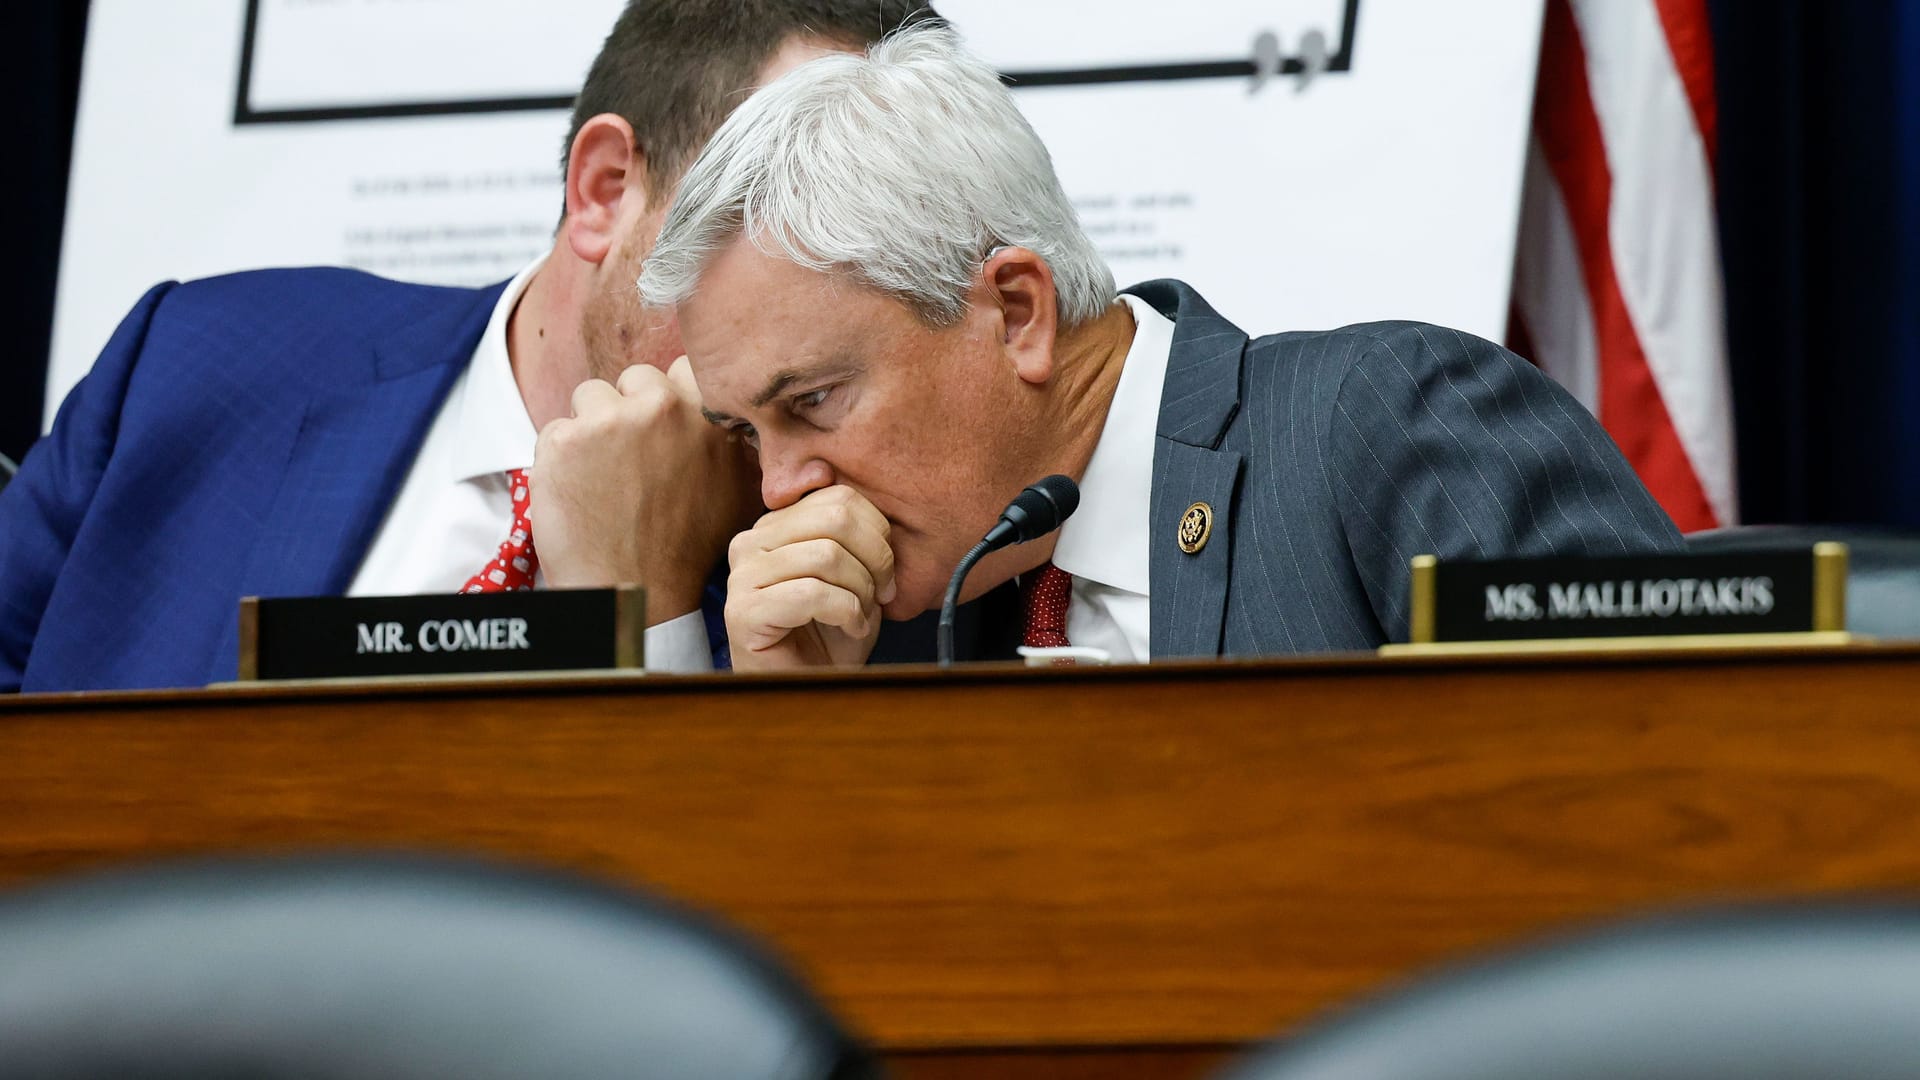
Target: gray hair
<point>903,168</point>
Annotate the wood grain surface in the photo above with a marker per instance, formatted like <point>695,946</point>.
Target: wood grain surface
<point>1179,860</point>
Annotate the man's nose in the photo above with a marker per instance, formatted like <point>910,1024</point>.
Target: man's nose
<point>787,476</point>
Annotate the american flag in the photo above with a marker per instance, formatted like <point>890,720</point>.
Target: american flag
<point>1617,287</point>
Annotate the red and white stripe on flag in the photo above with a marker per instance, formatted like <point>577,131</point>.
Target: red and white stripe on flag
<point>1617,290</point>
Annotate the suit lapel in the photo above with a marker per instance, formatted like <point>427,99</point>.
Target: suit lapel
<point>1188,602</point>
<point>1200,399</point>
<point>355,444</point>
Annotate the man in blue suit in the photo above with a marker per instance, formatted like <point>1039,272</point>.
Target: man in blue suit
<point>909,350</point>
<point>315,432</point>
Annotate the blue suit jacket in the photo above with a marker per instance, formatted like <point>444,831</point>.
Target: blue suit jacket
<point>239,436</point>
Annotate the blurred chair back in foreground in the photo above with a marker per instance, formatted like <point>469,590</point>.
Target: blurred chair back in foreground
<point>1883,568</point>
<point>1759,994</point>
<point>338,967</point>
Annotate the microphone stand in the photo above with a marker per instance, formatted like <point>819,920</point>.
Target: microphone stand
<point>1033,513</point>
<point>943,643</point>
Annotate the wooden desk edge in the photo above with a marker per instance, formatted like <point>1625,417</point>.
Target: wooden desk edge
<point>928,675</point>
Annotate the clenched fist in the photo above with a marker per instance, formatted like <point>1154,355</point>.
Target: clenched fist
<point>637,487</point>
<point>807,583</point>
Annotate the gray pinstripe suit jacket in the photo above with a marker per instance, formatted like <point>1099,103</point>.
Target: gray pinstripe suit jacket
<point>1331,459</point>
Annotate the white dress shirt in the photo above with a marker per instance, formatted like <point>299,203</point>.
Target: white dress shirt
<point>1105,544</point>
<point>454,508</point>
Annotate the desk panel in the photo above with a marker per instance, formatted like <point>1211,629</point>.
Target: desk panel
<point>1073,864</point>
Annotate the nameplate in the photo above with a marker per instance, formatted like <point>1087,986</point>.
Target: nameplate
<point>453,634</point>
<point>1647,596</point>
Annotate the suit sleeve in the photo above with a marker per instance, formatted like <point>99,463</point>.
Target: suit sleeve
<point>41,510</point>
<point>1442,443</point>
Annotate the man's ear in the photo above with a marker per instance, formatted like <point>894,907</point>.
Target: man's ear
<point>1019,282</point>
<point>605,169</point>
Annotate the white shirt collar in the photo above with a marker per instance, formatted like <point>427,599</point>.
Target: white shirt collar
<point>1107,539</point>
<point>492,432</point>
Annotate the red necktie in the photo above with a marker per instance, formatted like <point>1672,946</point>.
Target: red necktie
<point>513,568</point>
<point>1046,592</point>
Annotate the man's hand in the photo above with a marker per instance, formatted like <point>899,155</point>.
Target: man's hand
<point>808,582</point>
<point>637,486</point>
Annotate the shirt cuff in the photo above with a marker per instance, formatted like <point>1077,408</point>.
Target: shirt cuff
<point>679,646</point>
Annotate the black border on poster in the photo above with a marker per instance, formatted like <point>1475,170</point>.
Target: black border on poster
<point>244,114</point>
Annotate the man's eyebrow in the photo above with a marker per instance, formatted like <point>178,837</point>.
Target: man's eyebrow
<point>840,366</point>
<point>774,386</point>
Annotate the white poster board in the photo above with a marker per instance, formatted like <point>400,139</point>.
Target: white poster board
<point>1304,163</point>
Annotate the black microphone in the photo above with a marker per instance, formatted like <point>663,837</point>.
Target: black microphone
<point>1032,514</point>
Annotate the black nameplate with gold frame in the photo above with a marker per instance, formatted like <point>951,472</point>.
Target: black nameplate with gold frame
<point>1780,596</point>
<point>462,633</point>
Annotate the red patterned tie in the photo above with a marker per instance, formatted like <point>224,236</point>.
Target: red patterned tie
<point>513,568</point>
<point>1046,592</point>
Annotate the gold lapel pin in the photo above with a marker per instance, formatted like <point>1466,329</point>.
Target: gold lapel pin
<point>1195,526</point>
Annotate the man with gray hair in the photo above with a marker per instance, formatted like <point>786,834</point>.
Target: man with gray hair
<point>881,285</point>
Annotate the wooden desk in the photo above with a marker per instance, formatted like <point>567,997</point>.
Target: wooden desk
<point>1051,873</point>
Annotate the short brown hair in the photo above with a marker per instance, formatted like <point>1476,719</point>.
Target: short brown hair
<point>674,69</point>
